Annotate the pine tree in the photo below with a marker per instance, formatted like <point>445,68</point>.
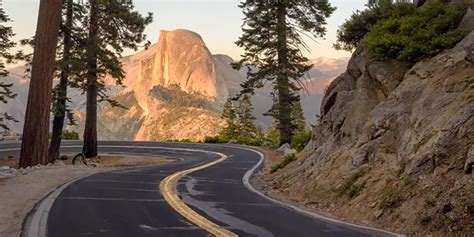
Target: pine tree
<point>297,117</point>
<point>246,119</point>
<point>230,116</point>
<point>5,57</point>
<point>296,113</point>
<point>112,25</point>
<point>273,48</point>
<point>34,146</point>
<point>70,52</point>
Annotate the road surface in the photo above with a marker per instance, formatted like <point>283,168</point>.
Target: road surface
<point>129,202</point>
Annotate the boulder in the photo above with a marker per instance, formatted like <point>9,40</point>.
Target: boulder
<point>283,147</point>
<point>422,165</point>
<point>6,171</point>
<point>359,158</point>
<point>289,152</point>
<point>468,20</point>
<point>378,213</point>
<point>285,150</point>
<point>59,163</point>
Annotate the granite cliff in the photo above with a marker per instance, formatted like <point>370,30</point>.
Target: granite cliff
<point>394,146</point>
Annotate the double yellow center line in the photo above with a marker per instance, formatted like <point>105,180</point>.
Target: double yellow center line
<point>170,193</point>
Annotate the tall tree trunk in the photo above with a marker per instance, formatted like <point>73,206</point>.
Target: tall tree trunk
<point>34,146</point>
<point>283,84</point>
<point>60,110</point>
<point>90,132</point>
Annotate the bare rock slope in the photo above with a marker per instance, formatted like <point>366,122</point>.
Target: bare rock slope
<point>394,147</point>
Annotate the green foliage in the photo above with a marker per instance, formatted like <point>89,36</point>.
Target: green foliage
<point>245,119</point>
<point>230,115</point>
<point>287,160</point>
<point>250,141</point>
<point>240,125</point>
<point>390,198</point>
<point>6,44</point>
<point>298,121</point>
<point>300,140</point>
<point>67,135</point>
<point>297,117</point>
<point>351,33</point>
<point>112,27</point>
<point>414,37</point>
<point>174,96</point>
<point>70,135</point>
<point>273,134</point>
<point>273,44</point>
<point>216,139</point>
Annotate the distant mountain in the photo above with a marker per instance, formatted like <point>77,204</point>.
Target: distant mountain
<point>175,90</point>
<point>330,66</point>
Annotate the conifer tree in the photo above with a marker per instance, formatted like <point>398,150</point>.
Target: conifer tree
<point>273,48</point>
<point>113,25</point>
<point>230,116</point>
<point>297,117</point>
<point>246,119</point>
<point>296,113</point>
<point>34,146</point>
<point>70,65</point>
<point>5,57</point>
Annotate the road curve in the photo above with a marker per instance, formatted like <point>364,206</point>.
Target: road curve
<point>129,203</point>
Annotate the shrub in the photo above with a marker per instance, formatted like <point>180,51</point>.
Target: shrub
<point>273,136</point>
<point>249,141</point>
<point>390,198</point>
<point>70,135</point>
<point>300,140</point>
<point>215,139</point>
<point>287,160</point>
<point>350,187</point>
<point>351,33</point>
<point>417,36</point>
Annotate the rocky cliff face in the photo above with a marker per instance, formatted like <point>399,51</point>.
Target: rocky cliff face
<point>179,61</point>
<point>394,144</point>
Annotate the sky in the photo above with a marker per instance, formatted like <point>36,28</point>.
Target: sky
<point>217,21</point>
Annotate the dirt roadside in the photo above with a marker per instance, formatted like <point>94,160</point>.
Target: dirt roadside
<point>268,184</point>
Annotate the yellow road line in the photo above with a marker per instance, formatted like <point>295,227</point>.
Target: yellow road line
<point>170,193</point>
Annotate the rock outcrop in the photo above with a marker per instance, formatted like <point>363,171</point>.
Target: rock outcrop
<point>180,60</point>
<point>394,145</point>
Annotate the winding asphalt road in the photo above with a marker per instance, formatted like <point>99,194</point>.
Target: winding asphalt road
<point>129,203</point>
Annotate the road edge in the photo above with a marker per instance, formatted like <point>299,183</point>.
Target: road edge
<point>251,172</point>
<point>35,222</point>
